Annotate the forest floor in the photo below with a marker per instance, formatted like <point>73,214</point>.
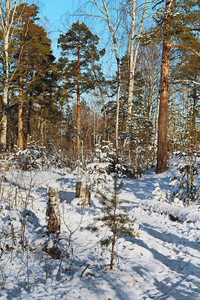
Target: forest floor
<point>163,262</point>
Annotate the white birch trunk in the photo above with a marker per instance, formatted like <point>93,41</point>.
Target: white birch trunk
<point>156,132</point>
<point>118,73</point>
<point>106,17</point>
<point>133,57</point>
<point>7,12</point>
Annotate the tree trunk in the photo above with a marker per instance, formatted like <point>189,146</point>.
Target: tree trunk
<point>83,192</point>
<point>132,65</point>
<point>20,119</point>
<point>4,119</point>
<point>194,131</point>
<point>124,103</point>
<point>29,122</point>
<point>118,98</point>
<point>106,13</point>
<point>7,12</point>
<point>133,57</point>
<point>53,211</point>
<point>39,122</point>
<point>112,250</point>
<point>162,121</point>
<point>78,122</point>
<point>156,133</point>
<point>102,96</point>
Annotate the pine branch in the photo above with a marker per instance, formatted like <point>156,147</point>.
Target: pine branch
<point>185,48</point>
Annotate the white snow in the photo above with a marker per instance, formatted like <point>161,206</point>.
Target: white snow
<point>162,263</point>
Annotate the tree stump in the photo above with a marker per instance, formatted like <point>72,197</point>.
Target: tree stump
<point>4,166</point>
<point>53,211</point>
<point>83,191</point>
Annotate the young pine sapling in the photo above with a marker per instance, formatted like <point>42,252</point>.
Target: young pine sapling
<point>115,218</point>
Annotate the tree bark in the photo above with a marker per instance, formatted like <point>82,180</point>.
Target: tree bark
<point>4,119</point>
<point>20,118</point>
<point>194,111</point>
<point>83,192</point>
<point>132,65</point>
<point>53,211</point>
<point>101,94</point>
<point>29,121</point>
<point>78,122</point>
<point>107,18</point>
<point>133,57</point>
<point>7,11</point>
<point>39,125</point>
<point>162,121</point>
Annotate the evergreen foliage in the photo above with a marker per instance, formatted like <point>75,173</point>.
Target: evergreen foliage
<point>80,46</point>
<point>187,185</point>
<point>115,218</point>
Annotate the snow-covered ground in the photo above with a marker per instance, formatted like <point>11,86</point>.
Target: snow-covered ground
<point>162,263</point>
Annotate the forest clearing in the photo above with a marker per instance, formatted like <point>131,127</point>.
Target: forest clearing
<point>100,150</point>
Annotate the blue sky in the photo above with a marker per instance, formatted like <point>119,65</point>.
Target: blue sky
<point>55,15</point>
<point>52,13</point>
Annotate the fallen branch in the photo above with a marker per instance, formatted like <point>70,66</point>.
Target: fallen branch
<point>175,213</point>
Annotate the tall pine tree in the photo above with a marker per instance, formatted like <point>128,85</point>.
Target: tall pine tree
<point>179,24</point>
<point>79,50</point>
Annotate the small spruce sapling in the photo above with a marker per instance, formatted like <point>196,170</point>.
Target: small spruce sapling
<point>97,170</point>
<point>115,218</point>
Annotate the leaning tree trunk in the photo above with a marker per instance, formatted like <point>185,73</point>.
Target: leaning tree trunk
<point>162,121</point>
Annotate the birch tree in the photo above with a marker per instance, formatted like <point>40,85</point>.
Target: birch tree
<point>105,15</point>
<point>7,28</point>
<point>134,47</point>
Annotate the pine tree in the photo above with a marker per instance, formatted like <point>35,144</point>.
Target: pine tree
<point>115,218</point>
<point>179,23</point>
<point>186,74</point>
<point>79,49</point>
<point>33,51</point>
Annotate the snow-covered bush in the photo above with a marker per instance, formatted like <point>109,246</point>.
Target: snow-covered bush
<point>187,185</point>
<point>141,139</point>
<point>57,157</point>
<point>33,157</point>
<point>159,195</point>
<point>178,202</point>
<point>97,170</point>
<point>36,156</point>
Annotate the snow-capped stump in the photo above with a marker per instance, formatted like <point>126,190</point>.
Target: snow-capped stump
<point>53,210</point>
<point>4,166</point>
<point>83,191</point>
